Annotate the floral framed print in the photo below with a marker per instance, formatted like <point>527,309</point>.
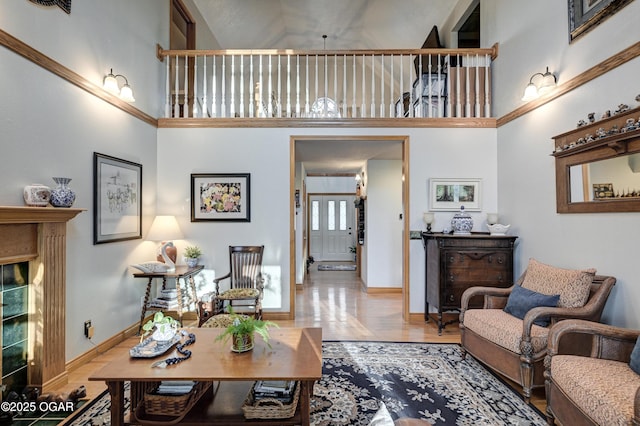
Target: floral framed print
<point>585,15</point>
<point>451,194</point>
<point>221,196</point>
<point>117,199</point>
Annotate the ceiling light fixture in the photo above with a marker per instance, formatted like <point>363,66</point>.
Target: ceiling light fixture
<point>110,84</point>
<point>547,84</point>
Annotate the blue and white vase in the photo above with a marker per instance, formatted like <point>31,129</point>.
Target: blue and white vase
<point>462,223</point>
<point>62,195</point>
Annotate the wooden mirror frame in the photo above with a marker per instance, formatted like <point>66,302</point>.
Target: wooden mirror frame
<point>569,151</point>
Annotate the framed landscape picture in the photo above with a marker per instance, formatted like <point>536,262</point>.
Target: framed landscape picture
<point>451,194</point>
<point>117,199</point>
<point>219,196</point>
<point>585,15</point>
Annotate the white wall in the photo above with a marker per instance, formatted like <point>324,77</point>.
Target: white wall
<point>49,127</point>
<point>526,186</point>
<point>383,226</point>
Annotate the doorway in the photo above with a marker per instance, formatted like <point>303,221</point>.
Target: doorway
<point>331,227</point>
<point>345,155</point>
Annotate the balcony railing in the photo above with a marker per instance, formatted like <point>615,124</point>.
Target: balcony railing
<point>328,84</point>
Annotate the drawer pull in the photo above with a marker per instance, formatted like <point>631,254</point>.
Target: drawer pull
<point>500,278</point>
<point>451,298</point>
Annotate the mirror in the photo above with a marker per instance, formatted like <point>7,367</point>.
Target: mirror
<point>613,178</point>
<point>599,173</point>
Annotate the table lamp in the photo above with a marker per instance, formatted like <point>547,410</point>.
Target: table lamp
<point>165,229</point>
<point>428,219</point>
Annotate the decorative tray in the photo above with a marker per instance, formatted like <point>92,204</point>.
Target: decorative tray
<point>150,348</point>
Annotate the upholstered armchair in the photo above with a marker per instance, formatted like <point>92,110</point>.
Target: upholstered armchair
<point>592,383</point>
<point>514,343</point>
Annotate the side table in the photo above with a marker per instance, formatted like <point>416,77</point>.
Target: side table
<point>182,272</point>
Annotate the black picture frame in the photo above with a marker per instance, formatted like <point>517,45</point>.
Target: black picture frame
<point>221,197</point>
<point>584,15</point>
<point>117,199</point>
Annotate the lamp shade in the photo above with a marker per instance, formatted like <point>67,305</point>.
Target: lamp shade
<point>126,94</point>
<point>428,218</point>
<point>530,92</point>
<point>110,84</point>
<point>165,228</point>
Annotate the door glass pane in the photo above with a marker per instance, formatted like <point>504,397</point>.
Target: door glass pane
<point>315,215</point>
<point>343,215</point>
<point>331,215</point>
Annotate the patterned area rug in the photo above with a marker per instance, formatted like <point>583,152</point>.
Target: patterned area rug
<point>414,380</point>
<point>329,267</point>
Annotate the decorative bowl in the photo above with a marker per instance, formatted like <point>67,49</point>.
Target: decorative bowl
<point>497,229</point>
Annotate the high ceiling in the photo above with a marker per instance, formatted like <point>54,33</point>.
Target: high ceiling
<point>348,24</point>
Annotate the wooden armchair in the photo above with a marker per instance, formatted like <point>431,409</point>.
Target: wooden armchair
<point>516,347</point>
<point>592,383</point>
<point>244,294</point>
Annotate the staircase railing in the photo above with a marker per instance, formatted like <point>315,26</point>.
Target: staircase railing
<point>265,84</point>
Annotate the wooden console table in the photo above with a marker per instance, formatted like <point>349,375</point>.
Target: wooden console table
<point>453,263</point>
<point>182,272</point>
<point>295,354</point>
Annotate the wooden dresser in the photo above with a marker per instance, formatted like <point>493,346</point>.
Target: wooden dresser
<point>454,263</point>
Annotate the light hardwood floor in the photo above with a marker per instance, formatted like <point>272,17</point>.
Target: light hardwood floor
<point>335,301</point>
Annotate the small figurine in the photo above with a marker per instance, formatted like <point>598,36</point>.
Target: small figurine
<point>631,124</point>
<point>589,137</point>
<point>580,141</point>
<point>638,98</point>
<point>592,117</point>
<point>622,108</point>
<point>606,114</point>
<point>601,132</point>
<point>582,123</point>
<point>614,129</point>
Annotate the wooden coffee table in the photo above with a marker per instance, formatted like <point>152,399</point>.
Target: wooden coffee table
<point>295,354</point>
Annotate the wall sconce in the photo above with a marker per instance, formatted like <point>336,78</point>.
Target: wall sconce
<point>428,218</point>
<point>110,84</point>
<point>532,91</point>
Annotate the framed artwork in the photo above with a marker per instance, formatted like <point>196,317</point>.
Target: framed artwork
<point>117,199</point>
<point>451,194</point>
<point>602,190</point>
<point>585,15</point>
<point>220,196</point>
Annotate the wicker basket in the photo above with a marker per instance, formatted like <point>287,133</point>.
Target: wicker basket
<point>172,405</point>
<point>270,408</point>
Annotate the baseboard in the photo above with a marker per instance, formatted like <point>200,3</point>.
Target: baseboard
<point>383,290</point>
<point>277,316</point>
<point>101,348</point>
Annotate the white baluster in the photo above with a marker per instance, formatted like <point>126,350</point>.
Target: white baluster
<point>204,87</point>
<point>214,85</point>
<point>344,86</point>
<point>288,86</point>
<point>335,81</point>
<point>363,107</point>
<point>279,99</point>
<point>232,100</point>
<point>298,86</point>
<point>167,104</point>
<point>306,88</point>
<point>326,84</point>
<point>391,89</point>
<point>402,86</point>
<point>260,109</point>
<point>316,78</point>
<point>381,85</point>
<point>467,107</point>
<point>269,95</point>
<point>176,91</point>
<point>251,93</point>
<point>373,88</point>
<point>186,86</point>
<point>449,107</point>
<point>487,93</point>
<point>223,88</point>
<point>420,88</point>
<point>477,87</point>
<point>195,87</point>
<point>242,83</point>
<point>354,114</point>
<point>458,101</point>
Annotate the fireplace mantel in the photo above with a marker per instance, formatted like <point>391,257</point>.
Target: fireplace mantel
<point>38,235</point>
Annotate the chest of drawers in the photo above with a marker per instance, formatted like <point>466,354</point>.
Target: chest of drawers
<point>454,263</point>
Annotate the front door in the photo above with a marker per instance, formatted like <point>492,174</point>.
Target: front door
<point>331,227</point>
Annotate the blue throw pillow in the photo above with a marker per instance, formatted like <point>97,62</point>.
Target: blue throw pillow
<point>521,300</point>
<point>634,362</point>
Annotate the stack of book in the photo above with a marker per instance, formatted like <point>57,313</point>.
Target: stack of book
<point>168,300</point>
<point>281,390</point>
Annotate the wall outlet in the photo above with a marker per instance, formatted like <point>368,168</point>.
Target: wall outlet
<point>88,329</point>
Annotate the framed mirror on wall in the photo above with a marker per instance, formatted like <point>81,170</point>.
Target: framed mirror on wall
<point>598,166</point>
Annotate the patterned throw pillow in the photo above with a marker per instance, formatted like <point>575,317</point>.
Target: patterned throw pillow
<point>239,293</point>
<point>572,285</point>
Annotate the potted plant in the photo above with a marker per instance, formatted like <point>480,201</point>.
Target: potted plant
<point>242,330</point>
<point>192,255</point>
<point>161,327</point>
<point>353,250</point>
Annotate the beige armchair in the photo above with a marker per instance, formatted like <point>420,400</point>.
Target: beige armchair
<point>516,347</point>
<point>591,383</point>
